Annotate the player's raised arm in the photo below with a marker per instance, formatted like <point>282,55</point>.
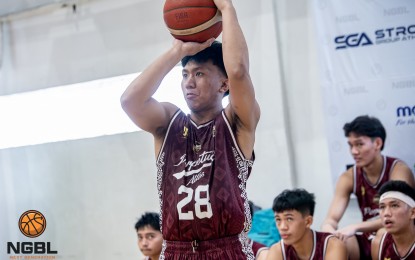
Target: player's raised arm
<point>236,60</point>
<point>137,100</point>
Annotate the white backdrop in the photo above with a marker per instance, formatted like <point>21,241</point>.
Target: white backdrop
<point>367,58</point>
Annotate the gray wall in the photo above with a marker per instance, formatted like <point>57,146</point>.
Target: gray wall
<point>92,190</point>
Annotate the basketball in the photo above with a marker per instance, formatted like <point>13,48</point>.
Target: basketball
<point>192,20</point>
<point>32,223</point>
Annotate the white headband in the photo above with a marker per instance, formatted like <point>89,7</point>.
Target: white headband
<point>398,195</point>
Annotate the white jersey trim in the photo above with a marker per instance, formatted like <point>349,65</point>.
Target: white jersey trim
<point>283,249</point>
<point>381,245</point>
<point>314,244</point>
<point>167,132</point>
<point>326,242</point>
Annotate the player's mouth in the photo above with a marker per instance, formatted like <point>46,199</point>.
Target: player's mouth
<point>357,159</point>
<point>191,95</point>
<point>284,236</point>
<point>388,223</point>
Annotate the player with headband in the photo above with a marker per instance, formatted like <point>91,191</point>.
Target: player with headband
<point>397,213</point>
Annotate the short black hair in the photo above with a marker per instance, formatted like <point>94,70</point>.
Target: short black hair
<point>296,199</point>
<point>397,185</point>
<point>212,53</point>
<point>366,126</point>
<point>151,219</point>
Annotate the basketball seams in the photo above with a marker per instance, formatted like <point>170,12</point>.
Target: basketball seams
<point>32,223</point>
<point>202,18</point>
<point>192,20</point>
<point>184,8</point>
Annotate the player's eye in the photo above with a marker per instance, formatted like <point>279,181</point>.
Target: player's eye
<point>199,73</point>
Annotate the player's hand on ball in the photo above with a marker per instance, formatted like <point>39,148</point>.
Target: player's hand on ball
<point>191,48</point>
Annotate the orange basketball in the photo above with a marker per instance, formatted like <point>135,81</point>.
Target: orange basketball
<point>32,223</point>
<point>192,20</point>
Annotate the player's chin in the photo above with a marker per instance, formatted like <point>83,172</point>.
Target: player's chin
<point>360,163</point>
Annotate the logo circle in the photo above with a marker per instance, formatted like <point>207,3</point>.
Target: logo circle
<point>32,223</point>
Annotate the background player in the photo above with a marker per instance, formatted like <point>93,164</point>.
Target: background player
<point>205,158</point>
<point>366,138</point>
<point>294,211</point>
<point>150,240</point>
<point>397,213</point>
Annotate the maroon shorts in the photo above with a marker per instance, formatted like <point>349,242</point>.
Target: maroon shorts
<point>365,242</point>
<point>223,248</point>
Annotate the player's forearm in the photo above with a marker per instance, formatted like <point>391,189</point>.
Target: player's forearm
<point>235,50</point>
<point>369,226</point>
<point>146,84</point>
<point>329,225</point>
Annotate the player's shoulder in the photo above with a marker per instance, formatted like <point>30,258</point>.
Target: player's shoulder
<point>275,251</point>
<point>336,249</point>
<point>335,243</point>
<point>401,171</point>
<point>376,241</point>
<point>346,179</point>
<point>378,237</point>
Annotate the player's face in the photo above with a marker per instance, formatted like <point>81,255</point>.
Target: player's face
<point>363,149</point>
<point>396,216</point>
<point>150,241</point>
<point>292,225</point>
<point>203,85</point>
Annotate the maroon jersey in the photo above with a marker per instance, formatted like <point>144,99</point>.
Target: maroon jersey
<point>320,241</point>
<point>387,249</point>
<point>201,179</point>
<point>366,193</point>
<point>257,247</point>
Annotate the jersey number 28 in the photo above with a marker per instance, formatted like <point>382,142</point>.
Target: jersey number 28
<point>199,202</point>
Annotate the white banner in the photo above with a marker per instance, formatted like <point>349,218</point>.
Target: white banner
<point>367,54</point>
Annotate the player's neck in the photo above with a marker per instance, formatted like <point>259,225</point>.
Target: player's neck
<point>201,117</point>
<point>374,169</point>
<point>404,241</point>
<point>304,247</point>
<point>154,257</point>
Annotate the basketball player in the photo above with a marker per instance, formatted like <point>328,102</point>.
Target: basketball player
<point>397,213</point>
<point>150,239</point>
<point>294,211</point>
<point>366,138</point>
<point>203,159</point>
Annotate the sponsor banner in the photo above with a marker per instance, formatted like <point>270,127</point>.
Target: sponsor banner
<point>32,224</point>
<point>366,50</point>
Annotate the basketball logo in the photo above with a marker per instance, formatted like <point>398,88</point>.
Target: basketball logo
<point>32,223</point>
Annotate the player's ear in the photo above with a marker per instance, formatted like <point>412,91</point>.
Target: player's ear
<point>378,142</point>
<point>412,213</point>
<point>225,86</point>
<point>309,221</point>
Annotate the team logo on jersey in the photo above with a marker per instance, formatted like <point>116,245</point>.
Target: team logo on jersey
<point>185,132</point>
<point>197,147</point>
<point>363,191</point>
<point>386,258</point>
